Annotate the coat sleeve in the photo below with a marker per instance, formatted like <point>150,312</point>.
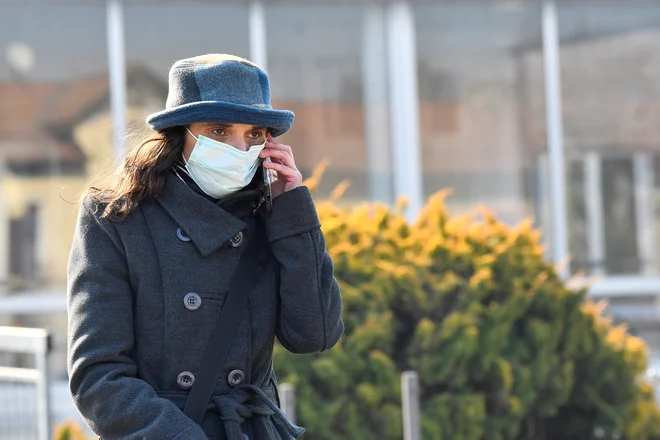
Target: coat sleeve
<point>103,380</point>
<point>310,302</point>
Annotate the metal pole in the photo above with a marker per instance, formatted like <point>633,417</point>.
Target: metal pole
<point>43,397</point>
<point>555,136</point>
<point>258,43</point>
<point>117,73</point>
<point>410,400</point>
<point>374,82</point>
<point>404,106</point>
<point>288,401</point>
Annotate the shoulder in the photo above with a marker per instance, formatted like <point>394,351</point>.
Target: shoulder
<point>94,219</point>
<point>93,205</point>
<point>102,231</point>
<point>96,206</point>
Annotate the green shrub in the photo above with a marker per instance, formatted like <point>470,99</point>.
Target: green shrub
<point>504,349</point>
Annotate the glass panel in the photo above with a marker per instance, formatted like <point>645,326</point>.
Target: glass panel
<point>322,67</point>
<point>620,217</point>
<point>475,104</point>
<point>611,105</point>
<point>656,205</point>
<point>577,216</point>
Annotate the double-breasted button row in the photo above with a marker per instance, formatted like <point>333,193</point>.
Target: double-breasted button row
<point>236,241</point>
<point>192,301</point>
<point>185,380</point>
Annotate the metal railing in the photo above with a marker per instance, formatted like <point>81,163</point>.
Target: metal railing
<point>24,397</point>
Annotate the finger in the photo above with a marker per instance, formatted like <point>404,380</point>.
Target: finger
<point>275,146</point>
<point>275,154</point>
<point>279,156</point>
<point>282,170</point>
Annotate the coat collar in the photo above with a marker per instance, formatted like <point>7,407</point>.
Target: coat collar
<point>208,225</point>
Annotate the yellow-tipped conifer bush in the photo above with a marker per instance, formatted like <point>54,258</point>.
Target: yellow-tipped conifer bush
<point>69,430</point>
<point>504,349</point>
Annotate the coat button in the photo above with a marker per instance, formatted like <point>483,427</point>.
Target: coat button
<point>192,301</point>
<point>236,377</point>
<point>237,239</point>
<point>182,235</point>
<point>185,380</point>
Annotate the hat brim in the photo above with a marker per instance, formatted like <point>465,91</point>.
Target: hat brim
<point>277,121</point>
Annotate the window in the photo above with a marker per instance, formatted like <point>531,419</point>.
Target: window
<point>612,212</point>
<point>23,265</point>
<point>474,106</point>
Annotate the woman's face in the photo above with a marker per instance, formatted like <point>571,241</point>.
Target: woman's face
<point>239,136</point>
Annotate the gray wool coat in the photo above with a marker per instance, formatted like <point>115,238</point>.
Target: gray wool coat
<point>134,344</point>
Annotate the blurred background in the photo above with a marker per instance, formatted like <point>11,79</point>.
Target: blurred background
<point>541,109</point>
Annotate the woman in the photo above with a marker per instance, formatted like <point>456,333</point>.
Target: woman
<point>184,231</point>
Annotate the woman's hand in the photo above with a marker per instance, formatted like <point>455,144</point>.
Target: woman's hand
<point>282,162</point>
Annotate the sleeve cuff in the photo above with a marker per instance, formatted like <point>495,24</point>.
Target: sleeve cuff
<point>293,213</point>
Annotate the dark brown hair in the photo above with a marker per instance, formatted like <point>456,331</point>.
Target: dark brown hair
<point>141,174</point>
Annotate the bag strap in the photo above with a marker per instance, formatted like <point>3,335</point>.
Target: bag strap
<point>223,334</point>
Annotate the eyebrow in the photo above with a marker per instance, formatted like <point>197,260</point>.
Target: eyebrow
<point>221,125</point>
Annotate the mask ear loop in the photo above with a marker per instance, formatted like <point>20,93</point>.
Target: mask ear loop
<point>191,134</point>
<point>183,155</point>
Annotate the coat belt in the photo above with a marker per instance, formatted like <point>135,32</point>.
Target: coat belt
<point>248,401</point>
<point>244,402</point>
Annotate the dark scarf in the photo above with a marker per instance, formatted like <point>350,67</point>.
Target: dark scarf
<point>243,203</point>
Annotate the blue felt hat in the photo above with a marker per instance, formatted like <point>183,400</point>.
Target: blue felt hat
<point>219,88</point>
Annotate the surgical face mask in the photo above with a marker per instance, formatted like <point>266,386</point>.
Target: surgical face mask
<point>220,169</point>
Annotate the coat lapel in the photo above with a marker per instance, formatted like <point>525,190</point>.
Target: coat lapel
<point>208,225</point>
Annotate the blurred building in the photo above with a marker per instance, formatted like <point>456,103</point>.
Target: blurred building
<point>403,98</point>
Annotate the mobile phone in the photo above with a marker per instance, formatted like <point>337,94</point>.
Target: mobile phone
<point>268,193</point>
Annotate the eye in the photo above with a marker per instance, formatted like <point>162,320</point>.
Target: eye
<point>256,134</point>
<point>219,131</point>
